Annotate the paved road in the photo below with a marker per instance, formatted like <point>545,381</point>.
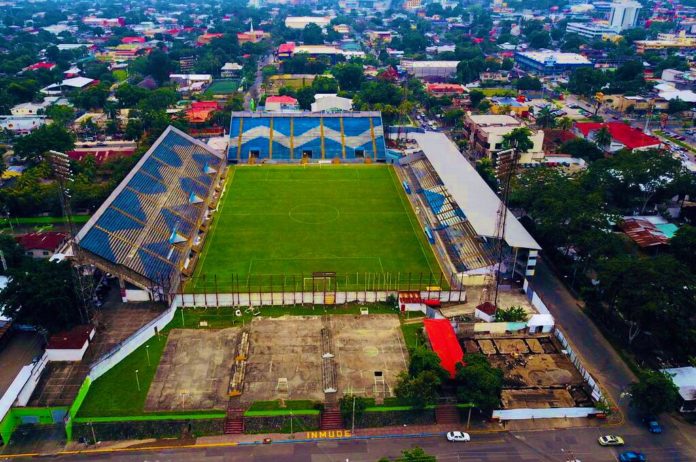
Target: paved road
<point>556,446</point>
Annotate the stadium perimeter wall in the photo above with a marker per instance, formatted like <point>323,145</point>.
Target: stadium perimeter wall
<point>299,298</point>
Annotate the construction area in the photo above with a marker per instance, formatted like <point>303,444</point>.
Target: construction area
<point>537,373</point>
<point>289,358</point>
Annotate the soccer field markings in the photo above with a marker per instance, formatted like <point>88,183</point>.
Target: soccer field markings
<point>334,214</point>
<point>408,215</point>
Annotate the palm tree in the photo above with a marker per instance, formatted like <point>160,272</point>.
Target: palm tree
<point>565,123</point>
<point>545,118</point>
<point>602,138</point>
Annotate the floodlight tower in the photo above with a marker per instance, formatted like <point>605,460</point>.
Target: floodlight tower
<point>60,165</point>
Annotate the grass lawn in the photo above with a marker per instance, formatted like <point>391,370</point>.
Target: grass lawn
<point>41,221</point>
<point>222,87</point>
<point>116,393</point>
<point>276,225</point>
<point>498,91</point>
<point>413,336</point>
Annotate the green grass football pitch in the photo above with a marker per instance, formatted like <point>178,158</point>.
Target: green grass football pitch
<point>276,225</point>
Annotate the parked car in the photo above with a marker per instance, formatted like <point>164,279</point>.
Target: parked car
<point>653,425</point>
<point>456,437</point>
<point>632,456</point>
<point>610,440</point>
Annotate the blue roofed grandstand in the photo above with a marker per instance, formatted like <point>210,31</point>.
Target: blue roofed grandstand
<point>148,230</point>
<point>348,136</point>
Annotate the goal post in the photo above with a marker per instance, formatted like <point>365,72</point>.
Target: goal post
<point>320,282</point>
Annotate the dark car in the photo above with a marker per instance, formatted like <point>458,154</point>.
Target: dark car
<point>632,456</point>
<point>653,425</point>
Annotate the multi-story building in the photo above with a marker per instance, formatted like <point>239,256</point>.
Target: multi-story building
<point>370,6</point>
<point>299,22</point>
<point>667,42</point>
<point>551,62</point>
<point>624,15</point>
<point>591,30</point>
<point>486,134</point>
<point>431,70</point>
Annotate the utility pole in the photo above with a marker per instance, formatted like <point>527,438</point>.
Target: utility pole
<point>352,427</point>
<point>60,164</point>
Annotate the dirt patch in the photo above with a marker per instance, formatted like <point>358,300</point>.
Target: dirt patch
<point>194,372</point>
<point>487,347</point>
<point>512,346</point>
<point>534,346</point>
<point>537,399</point>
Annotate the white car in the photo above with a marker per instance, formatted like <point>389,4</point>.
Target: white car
<point>458,436</point>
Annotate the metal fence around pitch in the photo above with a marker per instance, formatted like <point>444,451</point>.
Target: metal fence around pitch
<point>320,282</point>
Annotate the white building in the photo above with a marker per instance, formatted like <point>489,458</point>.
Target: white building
<point>29,109</point>
<point>624,15</point>
<point>590,30</point>
<point>325,102</point>
<point>430,69</point>
<point>299,22</point>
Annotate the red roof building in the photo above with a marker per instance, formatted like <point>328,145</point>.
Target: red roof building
<point>133,40</point>
<point>281,103</point>
<point>72,339</point>
<point>444,342</point>
<point>42,244</point>
<point>622,135</point>
<point>445,89</point>
<point>41,65</point>
<point>207,38</point>
<point>201,111</point>
<point>286,50</point>
<point>643,232</point>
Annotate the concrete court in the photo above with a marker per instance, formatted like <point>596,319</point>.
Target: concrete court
<point>194,372</point>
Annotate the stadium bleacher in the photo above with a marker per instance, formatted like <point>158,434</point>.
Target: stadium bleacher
<point>465,248</point>
<point>150,221</point>
<point>350,136</point>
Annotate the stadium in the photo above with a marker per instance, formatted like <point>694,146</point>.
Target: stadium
<point>304,204</point>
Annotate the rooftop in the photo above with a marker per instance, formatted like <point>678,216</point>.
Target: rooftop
<point>623,133</point>
<point>476,199</point>
<point>544,56</point>
<point>491,119</point>
<point>47,240</point>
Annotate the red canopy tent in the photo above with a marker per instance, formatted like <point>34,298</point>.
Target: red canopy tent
<point>445,344</point>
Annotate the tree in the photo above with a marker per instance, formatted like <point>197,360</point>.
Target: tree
<point>565,123</point>
<point>602,138</point>
<point>512,314</point>
<point>654,393</point>
<point>415,455</point>
<point>651,295</point>
<point>677,105</point>
<point>42,295</point>
<point>324,84</point>
<point>545,118</point>
<point>528,83</point>
<point>485,169</point>
<point>349,75</point>
<point>519,139</point>
<point>418,391</point>
<point>683,246</point>
<point>60,114</point>
<point>425,360</point>
<point>159,66</point>
<point>587,81</point>
<point>478,382</point>
<point>476,96</point>
<point>312,35</point>
<point>305,97</point>
<point>45,138</point>
<point>539,39</point>
<point>582,149</point>
<point>13,252</point>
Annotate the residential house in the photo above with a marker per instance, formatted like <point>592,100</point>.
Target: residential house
<point>230,70</point>
<point>623,136</point>
<point>42,244</point>
<point>281,104</point>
